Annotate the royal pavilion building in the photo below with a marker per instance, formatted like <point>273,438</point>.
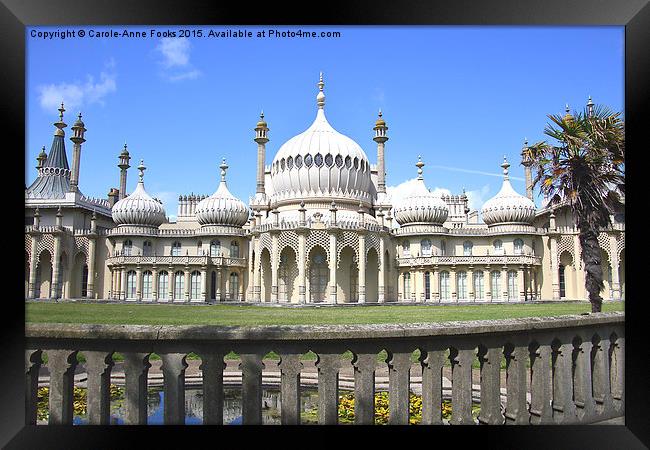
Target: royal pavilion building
<point>320,228</point>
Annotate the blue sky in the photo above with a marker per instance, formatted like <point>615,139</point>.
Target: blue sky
<point>462,97</point>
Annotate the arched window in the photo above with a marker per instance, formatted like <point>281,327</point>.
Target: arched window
<point>562,282</point>
<point>427,285</point>
<point>512,285</point>
<point>406,249</point>
<point>179,285</point>
<point>163,284</point>
<point>234,249</point>
<point>407,286</point>
<point>318,277</point>
<point>479,285</point>
<point>498,247</point>
<point>130,284</point>
<point>127,247</point>
<point>467,248</point>
<point>519,246</point>
<point>176,249</point>
<point>495,280</point>
<point>444,285</point>
<point>195,285</point>
<point>146,248</point>
<point>443,248</point>
<point>461,285</point>
<point>425,246</point>
<point>215,248</point>
<point>147,282</point>
<point>234,286</point>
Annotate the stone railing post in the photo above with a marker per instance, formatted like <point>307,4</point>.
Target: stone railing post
<point>617,373</point>
<point>290,367</point>
<point>251,367</point>
<point>212,366</point>
<point>461,385</point>
<point>328,365</point>
<point>173,368</point>
<point>399,368</point>
<point>432,360</point>
<point>564,410</point>
<point>136,370</point>
<point>601,381</point>
<point>541,412</point>
<point>490,366</point>
<point>33,363</point>
<point>516,409</point>
<point>364,388</point>
<point>98,367</point>
<point>61,365</point>
<point>582,388</point>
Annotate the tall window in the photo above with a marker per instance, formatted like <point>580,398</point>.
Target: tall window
<point>234,249</point>
<point>498,247</point>
<point>467,248</point>
<point>318,277</point>
<point>512,285</point>
<point>562,285</point>
<point>427,285</point>
<point>519,246</point>
<point>130,284</point>
<point>461,285</point>
<point>147,281</point>
<point>444,285</point>
<point>176,249</point>
<point>406,249</point>
<point>234,285</point>
<point>127,247</point>
<point>215,248</point>
<point>425,246</point>
<point>495,280</point>
<point>443,248</point>
<point>163,284</point>
<point>199,248</point>
<point>179,285</point>
<point>407,286</point>
<point>479,285</point>
<point>146,248</point>
<point>195,285</point>
<point>84,281</point>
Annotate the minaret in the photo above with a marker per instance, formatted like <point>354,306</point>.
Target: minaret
<point>123,165</point>
<point>590,107</point>
<point>261,137</point>
<point>380,138</point>
<point>527,163</point>
<point>41,159</point>
<point>77,139</point>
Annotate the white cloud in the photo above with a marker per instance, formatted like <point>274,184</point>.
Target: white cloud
<point>476,198</point>
<point>175,54</point>
<point>479,172</point>
<point>170,202</point>
<point>191,75</point>
<point>78,94</point>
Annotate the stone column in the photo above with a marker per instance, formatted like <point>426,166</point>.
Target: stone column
<point>55,289</point>
<point>251,366</point>
<point>521,284</point>
<point>33,363</point>
<point>61,365</point>
<point>432,361</point>
<point>490,366</point>
<point>470,284</point>
<point>541,412</point>
<point>136,369</point>
<point>435,284</point>
<point>302,263</point>
<point>290,367</point>
<point>399,367</point>
<point>516,408</point>
<point>172,280</point>
<point>555,267</point>
<point>275,261</point>
<point>212,366</point>
<point>582,383</point>
<point>453,284</point>
<point>332,261</point>
<point>173,367</point>
<point>187,284</point>
<point>364,388</point>
<point>381,288</point>
<point>613,251</point>
<point>504,284</point>
<point>98,367</point>
<point>204,283</point>
<point>328,366</point>
<point>138,283</point>
<point>90,286</point>
<point>564,410</point>
<point>33,265</point>
<point>257,287</point>
<point>461,385</point>
<point>154,282</point>
<point>250,269</point>
<point>362,266</point>
<point>123,283</point>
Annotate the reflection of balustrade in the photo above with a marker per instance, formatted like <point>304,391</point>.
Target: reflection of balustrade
<point>560,370</point>
<point>469,260</point>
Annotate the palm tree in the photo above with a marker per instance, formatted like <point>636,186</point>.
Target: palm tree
<point>586,171</point>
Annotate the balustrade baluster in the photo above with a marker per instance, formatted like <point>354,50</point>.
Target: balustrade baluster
<point>541,412</point>
<point>328,365</point>
<point>290,367</point>
<point>399,368</point>
<point>62,365</point>
<point>432,361</point>
<point>98,369</point>
<point>564,410</point>
<point>601,380</point>
<point>617,371</point>
<point>251,366</point>
<point>33,362</point>
<point>516,408</point>
<point>173,368</point>
<point>582,388</point>
<point>364,388</point>
<point>212,366</point>
<point>490,367</point>
<point>461,385</point>
<point>136,369</point>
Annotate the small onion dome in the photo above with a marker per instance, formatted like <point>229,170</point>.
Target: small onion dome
<point>222,208</point>
<point>567,116</point>
<point>139,208</point>
<point>79,122</point>
<point>125,152</point>
<point>262,122</point>
<point>380,121</point>
<point>421,206</point>
<point>508,206</point>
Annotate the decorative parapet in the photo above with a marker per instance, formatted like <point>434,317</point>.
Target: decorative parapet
<point>119,260</point>
<point>293,225</point>
<point>497,260</point>
<point>467,231</point>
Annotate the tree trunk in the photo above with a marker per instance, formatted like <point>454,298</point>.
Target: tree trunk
<point>591,257</point>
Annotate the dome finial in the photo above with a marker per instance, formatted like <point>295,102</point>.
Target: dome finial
<point>223,168</point>
<point>419,165</point>
<point>60,124</point>
<point>320,98</point>
<point>505,166</point>
<point>141,168</point>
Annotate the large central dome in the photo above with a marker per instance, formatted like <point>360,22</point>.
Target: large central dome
<point>321,162</point>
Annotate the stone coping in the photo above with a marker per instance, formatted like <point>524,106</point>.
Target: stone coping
<point>175,334</point>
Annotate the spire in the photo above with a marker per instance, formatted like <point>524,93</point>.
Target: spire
<point>590,107</point>
<point>419,165</point>
<point>141,169</point>
<point>60,125</point>
<point>505,166</point>
<point>320,98</point>
<point>223,168</point>
<point>567,116</point>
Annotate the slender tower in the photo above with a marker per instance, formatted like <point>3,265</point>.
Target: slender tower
<point>41,159</point>
<point>123,165</point>
<point>77,139</point>
<point>380,138</point>
<point>527,163</point>
<point>590,107</point>
<point>261,137</point>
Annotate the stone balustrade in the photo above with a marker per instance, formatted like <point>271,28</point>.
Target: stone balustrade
<point>561,370</point>
<point>203,260</point>
<point>497,260</point>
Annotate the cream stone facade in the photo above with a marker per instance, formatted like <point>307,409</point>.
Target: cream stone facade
<point>320,228</point>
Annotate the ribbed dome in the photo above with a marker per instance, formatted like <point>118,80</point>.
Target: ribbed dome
<point>421,206</point>
<point>139,208</point>
<point>508,206</point>
<point>222,208</point>
<point>321,162</point>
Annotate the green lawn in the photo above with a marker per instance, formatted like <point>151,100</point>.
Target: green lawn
<point>246,315</point>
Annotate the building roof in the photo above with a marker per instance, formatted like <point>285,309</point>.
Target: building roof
<point>53,180</point>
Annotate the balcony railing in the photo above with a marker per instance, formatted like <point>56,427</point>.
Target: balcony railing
<point>202,260</point>
<point>561,370</point>
<point>497,260</point>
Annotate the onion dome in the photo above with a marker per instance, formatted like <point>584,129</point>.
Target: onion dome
<point>321,162</point>
<point>421,206</point>
<point>222,208</point>
<point>262,123</point>
<point>139,208</point>
<point>380,121</point>
<point>508,206</point>
<point>567,116</point>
